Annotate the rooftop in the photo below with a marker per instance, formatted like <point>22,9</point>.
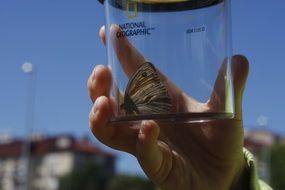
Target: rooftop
<point>47,144</point>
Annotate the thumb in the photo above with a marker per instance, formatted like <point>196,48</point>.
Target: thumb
<point>153,155</point>
<point>240,70</point>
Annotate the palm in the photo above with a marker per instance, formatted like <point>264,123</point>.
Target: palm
<point>198,149</point>
<point>202,148</point>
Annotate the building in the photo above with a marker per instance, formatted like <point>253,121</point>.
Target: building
<point>50,158</point>
<point>259,142</point>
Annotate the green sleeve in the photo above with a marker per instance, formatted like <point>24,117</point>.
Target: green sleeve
<point>254,182</point>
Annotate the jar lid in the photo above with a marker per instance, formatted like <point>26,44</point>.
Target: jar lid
<point>162,5</point>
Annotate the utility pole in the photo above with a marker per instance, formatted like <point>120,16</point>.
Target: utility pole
<point>25,167</point>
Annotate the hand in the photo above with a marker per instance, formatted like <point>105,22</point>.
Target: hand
<point>193,156</point>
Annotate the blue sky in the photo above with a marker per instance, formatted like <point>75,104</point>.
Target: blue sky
<point>61,39</point>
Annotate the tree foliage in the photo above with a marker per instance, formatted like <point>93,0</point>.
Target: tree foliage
<point>91,176</point>
<point>127,182</point>
<point>278,167</point>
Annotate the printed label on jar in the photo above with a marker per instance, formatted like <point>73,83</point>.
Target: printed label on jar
<point>196,29</point>
<point>134,29</point>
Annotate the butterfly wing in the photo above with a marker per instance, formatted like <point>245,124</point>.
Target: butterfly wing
<point>145,93</point>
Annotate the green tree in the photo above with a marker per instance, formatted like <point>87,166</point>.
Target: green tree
<point>126,182</point>
<point>278,167</point>
<point>88,177</point>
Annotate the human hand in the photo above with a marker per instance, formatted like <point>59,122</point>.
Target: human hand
<point>194,156</point>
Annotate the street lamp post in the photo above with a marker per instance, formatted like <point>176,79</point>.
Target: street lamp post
<point>29,70</point>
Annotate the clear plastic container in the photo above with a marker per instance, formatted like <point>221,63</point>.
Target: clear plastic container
<point>170,59</point>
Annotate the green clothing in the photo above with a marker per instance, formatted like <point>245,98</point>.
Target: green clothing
<point>255,183</point>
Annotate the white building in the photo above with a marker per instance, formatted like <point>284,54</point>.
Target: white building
<point>50,158</point>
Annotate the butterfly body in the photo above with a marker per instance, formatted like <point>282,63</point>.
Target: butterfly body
<point>145,93</point>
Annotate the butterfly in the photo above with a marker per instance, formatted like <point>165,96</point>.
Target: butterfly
<point>145,93</point>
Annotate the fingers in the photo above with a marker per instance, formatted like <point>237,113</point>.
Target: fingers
<point>154,156</point>
<point>99,120</point>
<point>99,82</point>
<point>240,69</point>
<point>117,137</point>
<point>128,55</point>
<point>218,97</point>
<point>102,34</point>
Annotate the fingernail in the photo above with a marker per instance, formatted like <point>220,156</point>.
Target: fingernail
<point>102,34</point>
<point>143,127</point>
<point>97,104</point>
<point>94,73</point>
<point>96,68</point>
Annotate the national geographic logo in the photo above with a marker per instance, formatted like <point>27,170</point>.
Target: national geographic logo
<point>134,29</point>
<point>131,9</point>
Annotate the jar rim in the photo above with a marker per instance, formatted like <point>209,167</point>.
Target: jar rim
<point>162,5</point>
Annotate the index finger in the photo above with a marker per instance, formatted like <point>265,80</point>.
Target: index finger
<point>129,57</point>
